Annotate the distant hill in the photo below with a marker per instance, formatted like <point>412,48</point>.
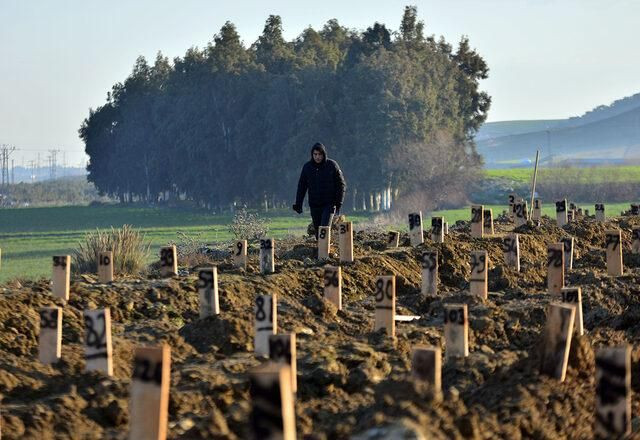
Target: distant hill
<point>606,133</point>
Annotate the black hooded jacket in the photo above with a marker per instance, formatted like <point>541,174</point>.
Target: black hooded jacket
<point>323,180</point>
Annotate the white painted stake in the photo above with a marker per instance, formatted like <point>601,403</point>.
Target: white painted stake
<point>415,228</point>
<point>385,296</point>
<point>346,242</point>
<point>208,292</point>
<point>266,322</point>
<point>97,341</point>
<point>272,401</point>
<point>324,242</point>
<point>429,263</point>
<point>240,254</point>
<point>567,243</point>
<point>105,267</point>
<point>437,229</point>
<point>488,222</point>
<point>478,281</point>
<point>635,241</point>
<point>600,214</point>
<point>557,340</point>
<point>50,338</point>
<point>555,268</point>
<point>613,244</point>
<point>456,330</point>
<point>511,249</point>
<point>561,212</point>
<point>477,221</point>
<point>61,276</point>
<point>267,255</point>
<point>613,392</point>
<point>168,261</point>
<point>426,365</point>
<point>573,296</point>
<point>333,285</point>
<point>282,350</point>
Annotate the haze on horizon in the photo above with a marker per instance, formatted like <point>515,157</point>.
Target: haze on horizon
<point>548,59</point>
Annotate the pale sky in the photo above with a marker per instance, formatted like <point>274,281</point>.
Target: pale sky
<point>548,59</point>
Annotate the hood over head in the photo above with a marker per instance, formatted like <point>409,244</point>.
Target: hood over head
<point>321,148</point>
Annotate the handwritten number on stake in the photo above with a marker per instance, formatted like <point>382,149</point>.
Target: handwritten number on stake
<point>382,290</point>
<point>239,245</point>
<point>260,313</point>
<point>145,371</point>
<point>554,258</point>
<point>477,261</point>
<point>454,316</point>
<point>49,319</point>
<point>613,239</point>
<point>92,337</point>
<point>331,278</point>
<point>475,215</point>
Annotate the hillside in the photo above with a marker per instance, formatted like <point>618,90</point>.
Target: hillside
<point>607,133</point>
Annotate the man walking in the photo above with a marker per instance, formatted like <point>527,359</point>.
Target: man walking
<point>324,181</point>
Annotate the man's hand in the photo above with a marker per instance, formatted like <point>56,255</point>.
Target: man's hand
<point>336,210</point>
<point>297,208</point>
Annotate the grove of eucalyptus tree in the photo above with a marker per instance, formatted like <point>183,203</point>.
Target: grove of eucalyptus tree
<point>232,124</point>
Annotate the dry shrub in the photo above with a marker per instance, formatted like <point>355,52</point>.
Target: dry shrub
<point>130,251</point>
<point>248,226</point>
<point>190,249</point>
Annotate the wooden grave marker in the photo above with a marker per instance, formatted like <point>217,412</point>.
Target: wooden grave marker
<point>512,201</point>
<point>478,281</point>
<point>613,244</point>
<point>613,392</point>
<point>573,296</point>
<point>61,276</point>
<point>50,338</point>
<point>267,255</point>
<point>555,268</point>
<point>511,249</point>
<point>333,285</point>
<point>568,243</point>
<point>149,405</point>
<point>570,216</point>
<point>240,254</point>
<point>456,330</point>
<point>537,210</point>
<point>437,229</point>
<point>105,267</point>
<point>561,212</point>
<point>635,241</point>
<point>393,239</point>
<point>324,242</point>
<point>168,261</point>
<point>266,322</point>
<point>429,263</point>
<point>488,222</point>
<point>282,350</point>
<point>557,340</point>
<point>446,228</point>
<point>635,209</point>
<point>98,349</point>
<point>345,234</point>
<point>426,365</point>
<point>600,215</point>
<point>415,228</point>
<point>385,296</point>
<point>272,402</point>
<point>521,213</point>
<point>477,221</point>
<point>208,291</point>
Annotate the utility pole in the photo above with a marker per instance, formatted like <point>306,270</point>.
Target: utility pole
<point>53,165</point>
<point>5,153</point>
<point>32,167</point>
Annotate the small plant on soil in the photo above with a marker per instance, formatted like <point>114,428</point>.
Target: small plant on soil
<point>130,250</point>
<point>248,226</point>
<point>190,249</point>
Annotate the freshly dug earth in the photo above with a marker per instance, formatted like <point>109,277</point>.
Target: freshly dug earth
<point>351,382</point>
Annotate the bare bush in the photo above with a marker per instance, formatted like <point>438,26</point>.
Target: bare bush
<point>248,226</point>
<point>130,251</point>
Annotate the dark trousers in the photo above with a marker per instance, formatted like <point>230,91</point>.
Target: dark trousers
<point>321,216</point>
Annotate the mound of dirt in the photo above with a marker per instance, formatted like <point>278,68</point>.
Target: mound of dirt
<point>352,382</point>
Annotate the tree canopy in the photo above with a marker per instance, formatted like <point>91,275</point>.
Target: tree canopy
<point>233,124</point>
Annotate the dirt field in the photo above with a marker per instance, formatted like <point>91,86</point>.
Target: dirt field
<point>351,381</point>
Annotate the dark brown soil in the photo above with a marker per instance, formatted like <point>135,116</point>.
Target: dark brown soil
<point>350,380</point>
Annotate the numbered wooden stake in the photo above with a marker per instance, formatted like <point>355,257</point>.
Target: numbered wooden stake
<point>266,322</point>
<point>635,241</point>
<point>426,365</point>
<point>333,285</point>
<point>393,239</point>
<point>282,350</point>
<point>521,213</point>
<point>208,292</point>
<point>267,255</point>
<point>105,267</point>
<point>555,268</point>
<point>635,209</point>
<point>61,276</point>
<point>456,330</point>
<point>537,210</point>
<point>385,295</point>
<point>415,228</point>
<point>488,222</point>
<point>168,261</point>
<point>149,404</point>
<point>98,351</point>
<point>429,263</point>
<point>478,282</point>
<point>511,249</point>
<point>613,392</point>
<point>240,254</point>
<point>512,201</point>
<point>446,228</point>
<point>324,242</point>
<point>567,243</point>
<point>272,412</point>
<point>570,215</point>
<point>613,244</point>
<point>600,216</point>
<point>477,221</point>
<point>573,296</point>
<point>50,338</point>
<point>345,230</point>
<point>437,229</point>
<point>557,340</point>
<point>561,212</point>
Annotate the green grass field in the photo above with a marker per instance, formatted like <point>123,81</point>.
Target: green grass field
<point>30,236</point>
<point>577,175</point>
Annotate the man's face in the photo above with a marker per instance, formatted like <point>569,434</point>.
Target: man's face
<point>317,156</point>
